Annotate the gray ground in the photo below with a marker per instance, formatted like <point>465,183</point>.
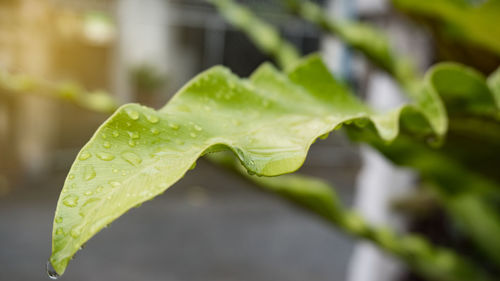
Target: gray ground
<point>210,226</point>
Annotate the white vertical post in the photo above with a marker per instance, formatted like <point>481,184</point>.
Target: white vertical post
<point>143,38</point>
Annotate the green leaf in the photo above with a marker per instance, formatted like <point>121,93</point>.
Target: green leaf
<point>465,21</point>
<point>268,121</point>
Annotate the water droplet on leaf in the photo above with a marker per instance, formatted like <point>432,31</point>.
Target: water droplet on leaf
<point>106,144</point>
<point>84,155</point>
<point>174,126</point>
<point>134,115</point>
<point>105,156</point>
<point>71,200</point>
<point>152,118</point>
<point>132,158</point>
<point>89,173</point>
<point>114,184</point>
<point>133,135</point>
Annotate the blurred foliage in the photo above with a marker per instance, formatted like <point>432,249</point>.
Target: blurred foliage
<point>99,101</point>
<point>464,30</point>
<point>146,79</point>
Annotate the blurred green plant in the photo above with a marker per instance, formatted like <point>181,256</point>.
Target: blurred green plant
<point>99,101</point>
<point>269,121</point>
<point>146,79</point>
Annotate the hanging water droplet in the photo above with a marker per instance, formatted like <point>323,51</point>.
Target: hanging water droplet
<point>84,155</point>
<point>71,200</point>
<point>198,128</point>
<point>134,115</point>
<point>132,158</point>
<point>51,272</point>
<point>88,173</point>
<point>106,144</point>
<point>152,118</point>
<point>155,131</point>
<point>105,156</point>
<point>115,134</point>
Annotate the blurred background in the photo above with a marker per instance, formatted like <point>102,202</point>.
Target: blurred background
<point>211,225</point>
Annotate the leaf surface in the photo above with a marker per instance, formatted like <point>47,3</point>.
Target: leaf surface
<point>268,121</point>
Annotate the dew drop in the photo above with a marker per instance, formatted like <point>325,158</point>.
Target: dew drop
<point>152,118</point>
<point>59,231</point>
<point>133,135</point>
<point>89,173</point>
<point>105,156</point>
<point>115,171</point>
<point>71,176</point>
<point>84,155</point>
<point>134,115</point>
<point>155,131</point>
<point>106,144</point>
<point>75,232</point>
<point>99,189</point>
<point>70,200</point>
<point>88,193</point>
<point>51,272</point>
<point>132,158</point>
<point>131,143</point>
<point>174,126</point>
<point>114,184</point>
<point>115,134</point>
<point>198,128</point>
<point>87,206</point>
<point>59,219</point>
